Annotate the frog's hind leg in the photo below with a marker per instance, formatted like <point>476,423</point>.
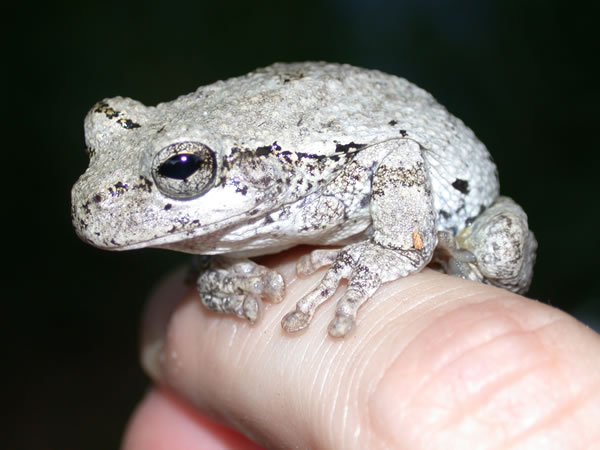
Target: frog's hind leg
<point>496,248</point>
<point>402,242</point>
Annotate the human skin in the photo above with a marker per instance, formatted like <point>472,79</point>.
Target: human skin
<point>434,362</point>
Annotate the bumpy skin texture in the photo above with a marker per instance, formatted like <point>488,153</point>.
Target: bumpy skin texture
<point>306,153</point>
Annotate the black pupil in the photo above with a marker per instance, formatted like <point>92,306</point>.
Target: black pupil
<point>180,166</point>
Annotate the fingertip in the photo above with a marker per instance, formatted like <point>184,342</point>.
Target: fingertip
<point>156,317</point>
<point>163,422</point>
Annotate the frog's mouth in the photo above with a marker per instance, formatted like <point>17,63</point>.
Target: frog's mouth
<point>121,231</point>
<point>213,243</point>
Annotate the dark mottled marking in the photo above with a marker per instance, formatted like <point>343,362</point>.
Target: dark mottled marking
<point>445,214</point>
<point>398,176</point>
<point>461,186</point>
<point>112,113</point>
<point>103,107</point>
<point>242,190</point>
<point>268,220</point>
<point>403,133</point>
<point>120,188</point>
<point>311,156</point>
<point>263,151</point>
<point>97,198</point>
<point>377,192</point>
<point>226,163</point>
<point>292,77</point>
<point>128,124</point>
<point>144,185</point>
<point>286,156</point>
<point>161,129</point>
<point>346,148</point>
<point>393,122</point>
<point>168,206</point>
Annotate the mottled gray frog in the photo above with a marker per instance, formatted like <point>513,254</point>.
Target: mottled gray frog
<point>363,163</point>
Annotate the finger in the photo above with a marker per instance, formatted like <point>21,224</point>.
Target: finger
<point>161,421</point>
<point>432,358</point>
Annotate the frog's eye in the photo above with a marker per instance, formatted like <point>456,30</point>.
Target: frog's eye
<point>184,170</point>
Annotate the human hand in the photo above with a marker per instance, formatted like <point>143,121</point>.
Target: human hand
<point>434,362</point>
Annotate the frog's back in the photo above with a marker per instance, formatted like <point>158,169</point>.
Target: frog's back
<point>316,106</point>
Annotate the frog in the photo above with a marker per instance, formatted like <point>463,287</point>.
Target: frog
<point>363,166</point>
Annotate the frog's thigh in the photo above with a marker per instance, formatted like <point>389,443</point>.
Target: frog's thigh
<point>403,239</point>
<point>401,203</point>
<point>402,242</point>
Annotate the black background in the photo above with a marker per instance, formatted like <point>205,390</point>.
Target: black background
<point>522,74</point>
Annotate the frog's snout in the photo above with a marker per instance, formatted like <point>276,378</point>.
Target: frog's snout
<point>99,216</point>
<point>84,211</point>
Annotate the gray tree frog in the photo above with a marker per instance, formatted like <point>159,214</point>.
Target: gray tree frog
<point>362,163</point>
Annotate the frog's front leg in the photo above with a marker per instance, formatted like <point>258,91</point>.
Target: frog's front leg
<point>496,248</point>
<point>402,242</point>
<point>236,286</point>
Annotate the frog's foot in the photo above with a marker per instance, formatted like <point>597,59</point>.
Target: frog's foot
<point>455,261</point>
<point>366,265</point>
<point>234,286</point>
<point>497,248</point>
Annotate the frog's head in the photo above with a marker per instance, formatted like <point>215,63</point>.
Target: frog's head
<point>165,176</point>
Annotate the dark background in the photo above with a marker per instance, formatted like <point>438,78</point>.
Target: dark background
<point>522,74</point>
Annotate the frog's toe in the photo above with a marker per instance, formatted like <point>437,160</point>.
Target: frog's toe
<point>273,286</point>
<point>341,325</point>
<point>251,308</point>
<point>238,286</point>
<point>295,321</point>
